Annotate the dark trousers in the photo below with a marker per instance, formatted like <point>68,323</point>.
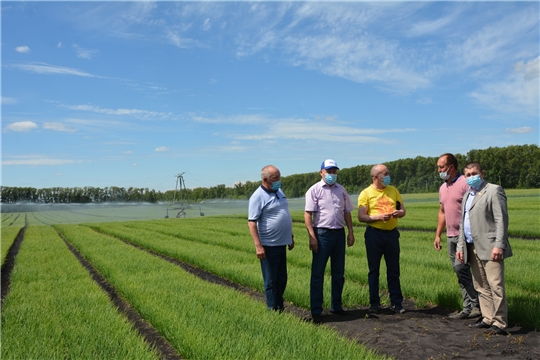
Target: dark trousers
<point>274,271</point>
<point>331,245</point>
<point>385,243</point>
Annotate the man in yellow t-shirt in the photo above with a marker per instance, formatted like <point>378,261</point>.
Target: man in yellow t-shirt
<point>380,205</point>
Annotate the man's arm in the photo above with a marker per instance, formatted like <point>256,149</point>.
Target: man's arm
<point>350,236</point>
<point>364,217</point>
<point>500,216</point>
<point>259,249</point>
<point>441,224</point>
<point>308,220</point>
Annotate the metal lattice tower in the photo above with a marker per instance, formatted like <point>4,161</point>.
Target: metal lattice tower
<point>180,184</point>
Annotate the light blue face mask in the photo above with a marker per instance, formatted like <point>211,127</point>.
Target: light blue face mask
<point>474,181</point>
<point>386,180</point>
<point>330,179</point>
<point>276,185</point>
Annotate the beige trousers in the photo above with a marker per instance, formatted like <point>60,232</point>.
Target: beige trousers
<point>488,280</point>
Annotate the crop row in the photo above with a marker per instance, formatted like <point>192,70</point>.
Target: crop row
<point>11,225</point>
<point>54,310</point>
<point>223,246</point>
<point>201,319</point>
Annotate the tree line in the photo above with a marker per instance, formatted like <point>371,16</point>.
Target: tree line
<point>513,167</point>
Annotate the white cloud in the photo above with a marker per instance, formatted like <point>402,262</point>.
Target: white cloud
<point>521,130</point>
<point>8,100</point>
<point>120,111</point>
<point>22,49</point>
<point>182,42</point>
<point>59,45</point>
<point>134,164</point>
<point>41,68</point>
<point>57,126</point>
<point>37,160</point>
<point>83,53</point>
<point>21,126</point>
<point>128,152</point>
<point>519,94</point>
<point>161,149</point>
<point>237,119</point>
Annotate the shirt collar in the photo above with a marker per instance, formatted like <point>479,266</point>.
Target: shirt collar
<point>455,178</point>
<point>270,191</point>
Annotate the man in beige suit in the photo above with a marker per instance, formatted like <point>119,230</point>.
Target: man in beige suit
<point>483,242</point>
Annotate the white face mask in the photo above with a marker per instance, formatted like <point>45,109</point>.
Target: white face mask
<point>445,175</point>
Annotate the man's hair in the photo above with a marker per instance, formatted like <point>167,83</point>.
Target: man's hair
<point>265,171</point>
<point>450,159</point>
<point>473,164</point>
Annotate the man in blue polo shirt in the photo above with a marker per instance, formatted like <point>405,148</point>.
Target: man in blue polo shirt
<point>270,226</point>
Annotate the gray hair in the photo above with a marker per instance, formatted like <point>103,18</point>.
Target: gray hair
<point>265,171</point>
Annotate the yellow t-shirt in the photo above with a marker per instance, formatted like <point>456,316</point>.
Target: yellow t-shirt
<point>380,202</point>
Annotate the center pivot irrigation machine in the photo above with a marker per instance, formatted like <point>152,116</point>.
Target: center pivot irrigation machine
<point>180,207</point>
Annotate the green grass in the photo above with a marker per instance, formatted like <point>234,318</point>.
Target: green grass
<point>427,275</point>
<point>203,320</point>
<point>11,225</point>
<point>55,311</point>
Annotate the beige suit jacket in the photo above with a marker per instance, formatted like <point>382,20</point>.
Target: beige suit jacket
<point>488,216</point>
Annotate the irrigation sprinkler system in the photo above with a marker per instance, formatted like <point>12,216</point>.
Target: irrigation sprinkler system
<point>180,188</point>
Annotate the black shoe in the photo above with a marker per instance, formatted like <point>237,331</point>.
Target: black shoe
<point>497,330</point>
<point>316,319</point>
<point>339,312</point>
<point>480,325</point>
<point>374,309</point>
<point>398,309</point>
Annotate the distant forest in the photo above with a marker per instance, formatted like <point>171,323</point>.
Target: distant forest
<point>513,167</point>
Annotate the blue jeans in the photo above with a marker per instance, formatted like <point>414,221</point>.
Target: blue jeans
<point>385,243</point>
<point>331,244</point>
<point>274,271</point>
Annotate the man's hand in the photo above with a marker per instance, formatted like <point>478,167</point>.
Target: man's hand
<point>313,246</point>
<point>291,245</point>
<point>437,243</point>
<point>261,254</point>
<point>459,256</point>
<point>350,239</point>
<point>497,254</point>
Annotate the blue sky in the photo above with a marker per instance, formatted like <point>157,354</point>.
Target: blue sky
<point>134,93</point>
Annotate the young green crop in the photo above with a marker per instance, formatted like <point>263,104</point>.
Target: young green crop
<point>54,310</point>
<point>200,319</point>
<point>11,225</point>
<point>427,275</point>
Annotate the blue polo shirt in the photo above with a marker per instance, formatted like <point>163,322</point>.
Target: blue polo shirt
<point>270,210</point>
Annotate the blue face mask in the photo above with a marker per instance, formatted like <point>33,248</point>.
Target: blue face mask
<point>330,179</point>
<point>474,181</point>
<point>386,180</point>
<point>276,185</point>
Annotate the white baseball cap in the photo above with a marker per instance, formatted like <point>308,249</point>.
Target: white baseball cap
<point>329,164</point>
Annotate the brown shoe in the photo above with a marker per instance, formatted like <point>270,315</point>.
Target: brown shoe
<point>459,316</point>
<point>475,313</point>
